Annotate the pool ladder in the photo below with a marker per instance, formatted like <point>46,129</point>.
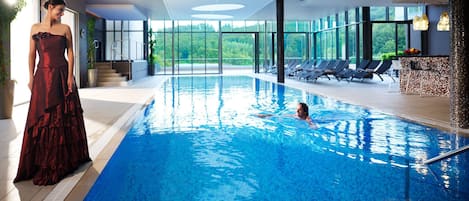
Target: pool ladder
<point>446,155</point>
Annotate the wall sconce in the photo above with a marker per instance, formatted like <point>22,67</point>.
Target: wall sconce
<point>443,24</point>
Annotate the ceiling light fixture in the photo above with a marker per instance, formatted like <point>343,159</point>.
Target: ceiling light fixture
<point>443,24</point>
<point>212,16</point>
<point>218,7</point>
<point>420,23</point>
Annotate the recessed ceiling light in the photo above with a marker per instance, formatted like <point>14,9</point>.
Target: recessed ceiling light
<point>211,16</point>
<point>218,7</point>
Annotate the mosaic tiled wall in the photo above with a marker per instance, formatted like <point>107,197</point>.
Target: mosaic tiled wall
<point>426,76</point>
<point>459,86</point>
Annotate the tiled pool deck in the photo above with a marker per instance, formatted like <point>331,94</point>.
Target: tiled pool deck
<point>109,112</point>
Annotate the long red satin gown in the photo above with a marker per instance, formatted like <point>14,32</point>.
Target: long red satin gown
<point>54,142</point>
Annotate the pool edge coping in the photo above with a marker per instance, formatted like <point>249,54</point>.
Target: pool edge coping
<point>63,189</point>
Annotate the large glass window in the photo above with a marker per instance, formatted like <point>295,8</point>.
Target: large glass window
<point>326,42</point>
<point>414,11</point>
<point>183,50</point>
<point>295,46</point>
<point>352,44</point>
<point>387,37</point>
<point>290,26</point>
<point>212,52</point>
<point>332,44</point>
<point>239,26</point>
<point>402,39</point>
<point>378,13</point>
<point>198,52</point>
<point>303,26</point>
<point>396,13</point>
<point>124,40</point>
<point>352,16</point>
<point>384,40</point>
<point>341,43</point>
<point>168,53</point>
<point>252,26</point>
<point>238,50</point>
<point>193,46</point>
<point>319,46</point>
<point>341,19</point>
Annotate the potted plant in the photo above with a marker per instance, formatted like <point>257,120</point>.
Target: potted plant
<point>152,68</point>
<point>92,71</point>
<point>7,14</point>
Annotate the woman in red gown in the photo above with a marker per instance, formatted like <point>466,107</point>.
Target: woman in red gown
<point>54,141</point>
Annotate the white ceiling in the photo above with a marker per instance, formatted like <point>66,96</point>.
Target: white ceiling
<point>254,9</point>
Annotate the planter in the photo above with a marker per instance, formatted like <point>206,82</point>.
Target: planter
<point>92,77</point>
<point>6,99</point>
<point>153,70</point>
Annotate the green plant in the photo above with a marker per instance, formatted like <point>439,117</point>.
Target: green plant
<point>90,27</point>
<point>391,55</point>
<point>7,14</point>
<point>152,43</point>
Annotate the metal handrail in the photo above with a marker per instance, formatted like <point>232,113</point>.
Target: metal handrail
<point>446,155</point>
<point>138,46</point>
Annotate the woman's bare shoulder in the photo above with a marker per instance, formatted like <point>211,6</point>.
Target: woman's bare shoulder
<point>35,27</point>
<point>63,26</point>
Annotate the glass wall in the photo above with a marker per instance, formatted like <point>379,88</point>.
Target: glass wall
<point>340,36</point>
<point>195,46</point>
<point>389,30</point>
<point>238,55</point>
<point>124,40</point>
<point>191,47</point>
<point>384,40</point>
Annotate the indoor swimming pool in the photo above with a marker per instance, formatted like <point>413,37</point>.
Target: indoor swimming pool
<point>201,139</point>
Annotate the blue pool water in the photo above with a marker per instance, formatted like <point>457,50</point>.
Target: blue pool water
<point>201,140</point>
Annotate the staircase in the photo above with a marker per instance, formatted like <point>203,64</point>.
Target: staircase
<point>108,77</point>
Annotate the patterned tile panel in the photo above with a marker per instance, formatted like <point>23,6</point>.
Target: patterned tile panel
<point>428,76</point>
<point>459,86</point>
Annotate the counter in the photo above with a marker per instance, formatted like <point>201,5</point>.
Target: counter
<point>425,75</point>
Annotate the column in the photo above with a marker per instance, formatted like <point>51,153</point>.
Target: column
<point>280,42</point>
<point>459,64</point>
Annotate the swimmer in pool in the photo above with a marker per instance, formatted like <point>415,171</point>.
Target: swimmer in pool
<point>302,112</point>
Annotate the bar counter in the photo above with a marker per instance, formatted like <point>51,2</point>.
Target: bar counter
<point>425,75</point>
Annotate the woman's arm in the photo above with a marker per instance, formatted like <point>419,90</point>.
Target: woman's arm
<point>32,56</point>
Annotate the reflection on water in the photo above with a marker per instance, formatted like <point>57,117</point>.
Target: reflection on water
<point>201,140</point>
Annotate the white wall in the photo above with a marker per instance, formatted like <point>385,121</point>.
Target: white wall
<point>20,33</point>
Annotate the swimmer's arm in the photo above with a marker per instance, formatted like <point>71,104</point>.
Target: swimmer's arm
<point>264,115</point>
<point>311,123</point>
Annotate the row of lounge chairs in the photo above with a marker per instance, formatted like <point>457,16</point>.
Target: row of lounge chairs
<point>311,71</point>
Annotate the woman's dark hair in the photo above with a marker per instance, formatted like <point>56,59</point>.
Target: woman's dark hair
<point>305,109</point>
<point>53,3</point>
